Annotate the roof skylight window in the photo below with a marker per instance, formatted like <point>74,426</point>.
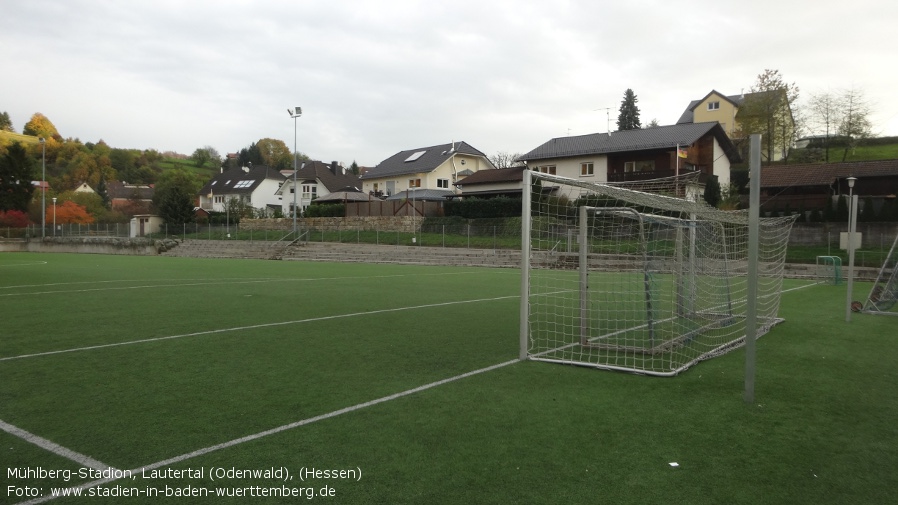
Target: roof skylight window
<point>415,156</point>
<point>243,184</point>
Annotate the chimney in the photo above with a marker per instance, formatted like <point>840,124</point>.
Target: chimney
<point>334,167</point>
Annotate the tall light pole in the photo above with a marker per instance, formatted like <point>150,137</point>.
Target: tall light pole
<point>294,113</point>
<point>54,216</point>
<point>852,225</point>
<point>43,187</point>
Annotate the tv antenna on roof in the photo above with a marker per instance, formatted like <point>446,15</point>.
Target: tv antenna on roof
<point>607,117</point>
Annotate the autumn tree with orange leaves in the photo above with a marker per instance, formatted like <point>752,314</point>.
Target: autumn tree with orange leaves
<point>70,212</point>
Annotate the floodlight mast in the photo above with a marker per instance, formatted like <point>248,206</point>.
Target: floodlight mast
<point>295,114</point>
<point>852,225</point>
<point>44,187</point>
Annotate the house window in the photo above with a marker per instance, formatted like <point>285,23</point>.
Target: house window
<point>292,190</point>
<point>586,169</point>
<point>414,183</point>
<point>550,169</point>
<point>629,166</point>
<point>713,105</point>
<point>309,191</point>
<point>645,166</point>
<point>219,199</point>
<point>443,183</point>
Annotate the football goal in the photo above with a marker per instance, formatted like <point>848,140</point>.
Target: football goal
<point>640,277</point>
<point>884,295</point>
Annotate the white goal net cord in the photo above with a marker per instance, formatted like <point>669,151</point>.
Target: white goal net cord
<point>632,277</point>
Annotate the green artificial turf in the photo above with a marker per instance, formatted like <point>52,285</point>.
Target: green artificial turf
<point>262,344</point>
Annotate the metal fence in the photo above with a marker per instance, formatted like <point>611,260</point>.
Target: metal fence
<point>72,230</point>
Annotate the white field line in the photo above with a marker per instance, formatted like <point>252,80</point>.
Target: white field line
<point>297,424</point>
<point>25,264</point>
<point>55,448</point>
<point>221,282</point>
<point>256,326</point>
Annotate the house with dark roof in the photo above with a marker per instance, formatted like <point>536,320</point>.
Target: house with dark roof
<point>135,198</point>
<point>812,186</point>
<point>432,168</point>
<point>492,183</point>
<point>632,155</point>
<point>724,109</point>
<point>254,186</point>
<point>314,179</point>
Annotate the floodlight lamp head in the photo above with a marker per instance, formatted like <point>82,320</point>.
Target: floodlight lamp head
<point>851,181</point>
<point>41,140</point>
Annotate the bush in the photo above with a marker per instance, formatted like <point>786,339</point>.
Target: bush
<point>325,210</point>
<point>14,219</point>
<point>479,208</point>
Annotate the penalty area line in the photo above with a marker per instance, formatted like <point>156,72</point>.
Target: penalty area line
<point>53,447</point>
<point>279,429</point>
<point>257,326</point>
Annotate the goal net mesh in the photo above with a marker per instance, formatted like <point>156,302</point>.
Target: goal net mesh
<point>883,297</point>
<point>642,277</point>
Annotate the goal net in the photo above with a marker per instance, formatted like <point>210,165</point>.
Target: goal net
<point>642,277</point>
<point>884,295</point>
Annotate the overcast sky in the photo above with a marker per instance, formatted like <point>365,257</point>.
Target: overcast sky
<point>377,77</point>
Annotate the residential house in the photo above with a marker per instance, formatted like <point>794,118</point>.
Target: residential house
<point>314,179</point>
<point>84,188</point>
<point>724,109</point>
<point>493,183</point>
<point>133,198</point>
<point>432,168</point>
<point>812,186</point>
<point>641,154</point>
<point>254,186</point>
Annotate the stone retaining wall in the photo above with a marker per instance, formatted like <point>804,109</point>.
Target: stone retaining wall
<point>91,245</point>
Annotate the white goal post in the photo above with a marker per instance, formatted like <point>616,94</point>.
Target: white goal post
<point>883,297</point>
<point>632,277</point>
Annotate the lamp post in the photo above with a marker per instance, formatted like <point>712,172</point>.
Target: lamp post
<point>294,113</point>
<point>43,187</point>
<point>852,225</point>
<point>54,216</point>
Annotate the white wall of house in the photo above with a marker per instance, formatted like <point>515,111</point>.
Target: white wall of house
<point>572,168</point>
<point>264,195</point>
<point>721,165</point>
<point>443,177</point>
<point>308,191</point>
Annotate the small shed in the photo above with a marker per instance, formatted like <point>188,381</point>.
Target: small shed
<point>145,224</point>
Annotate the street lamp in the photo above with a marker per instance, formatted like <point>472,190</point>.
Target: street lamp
<point>852,225</point>
<point>294,113</point>
<point>54,216</point>
<point>43,187</point>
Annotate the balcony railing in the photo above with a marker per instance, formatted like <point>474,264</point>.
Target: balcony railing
<point>647,175</point>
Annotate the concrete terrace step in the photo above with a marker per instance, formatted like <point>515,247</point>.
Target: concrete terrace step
<point>358,253</point>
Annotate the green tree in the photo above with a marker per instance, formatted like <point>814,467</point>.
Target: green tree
<point>768,111</point>
<point>6,122</point>
<point>712,191</point>
<point>354,168</point>
<point>175,196</point>
<point>854,122</point>
<point>40,126</point>
<point>17,170</point>
<point>103,193</point>
<point>628,115</point>
<point>250,155</point>
<point>200,157</point>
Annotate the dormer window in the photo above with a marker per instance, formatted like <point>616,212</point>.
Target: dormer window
<point>713,105</point>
